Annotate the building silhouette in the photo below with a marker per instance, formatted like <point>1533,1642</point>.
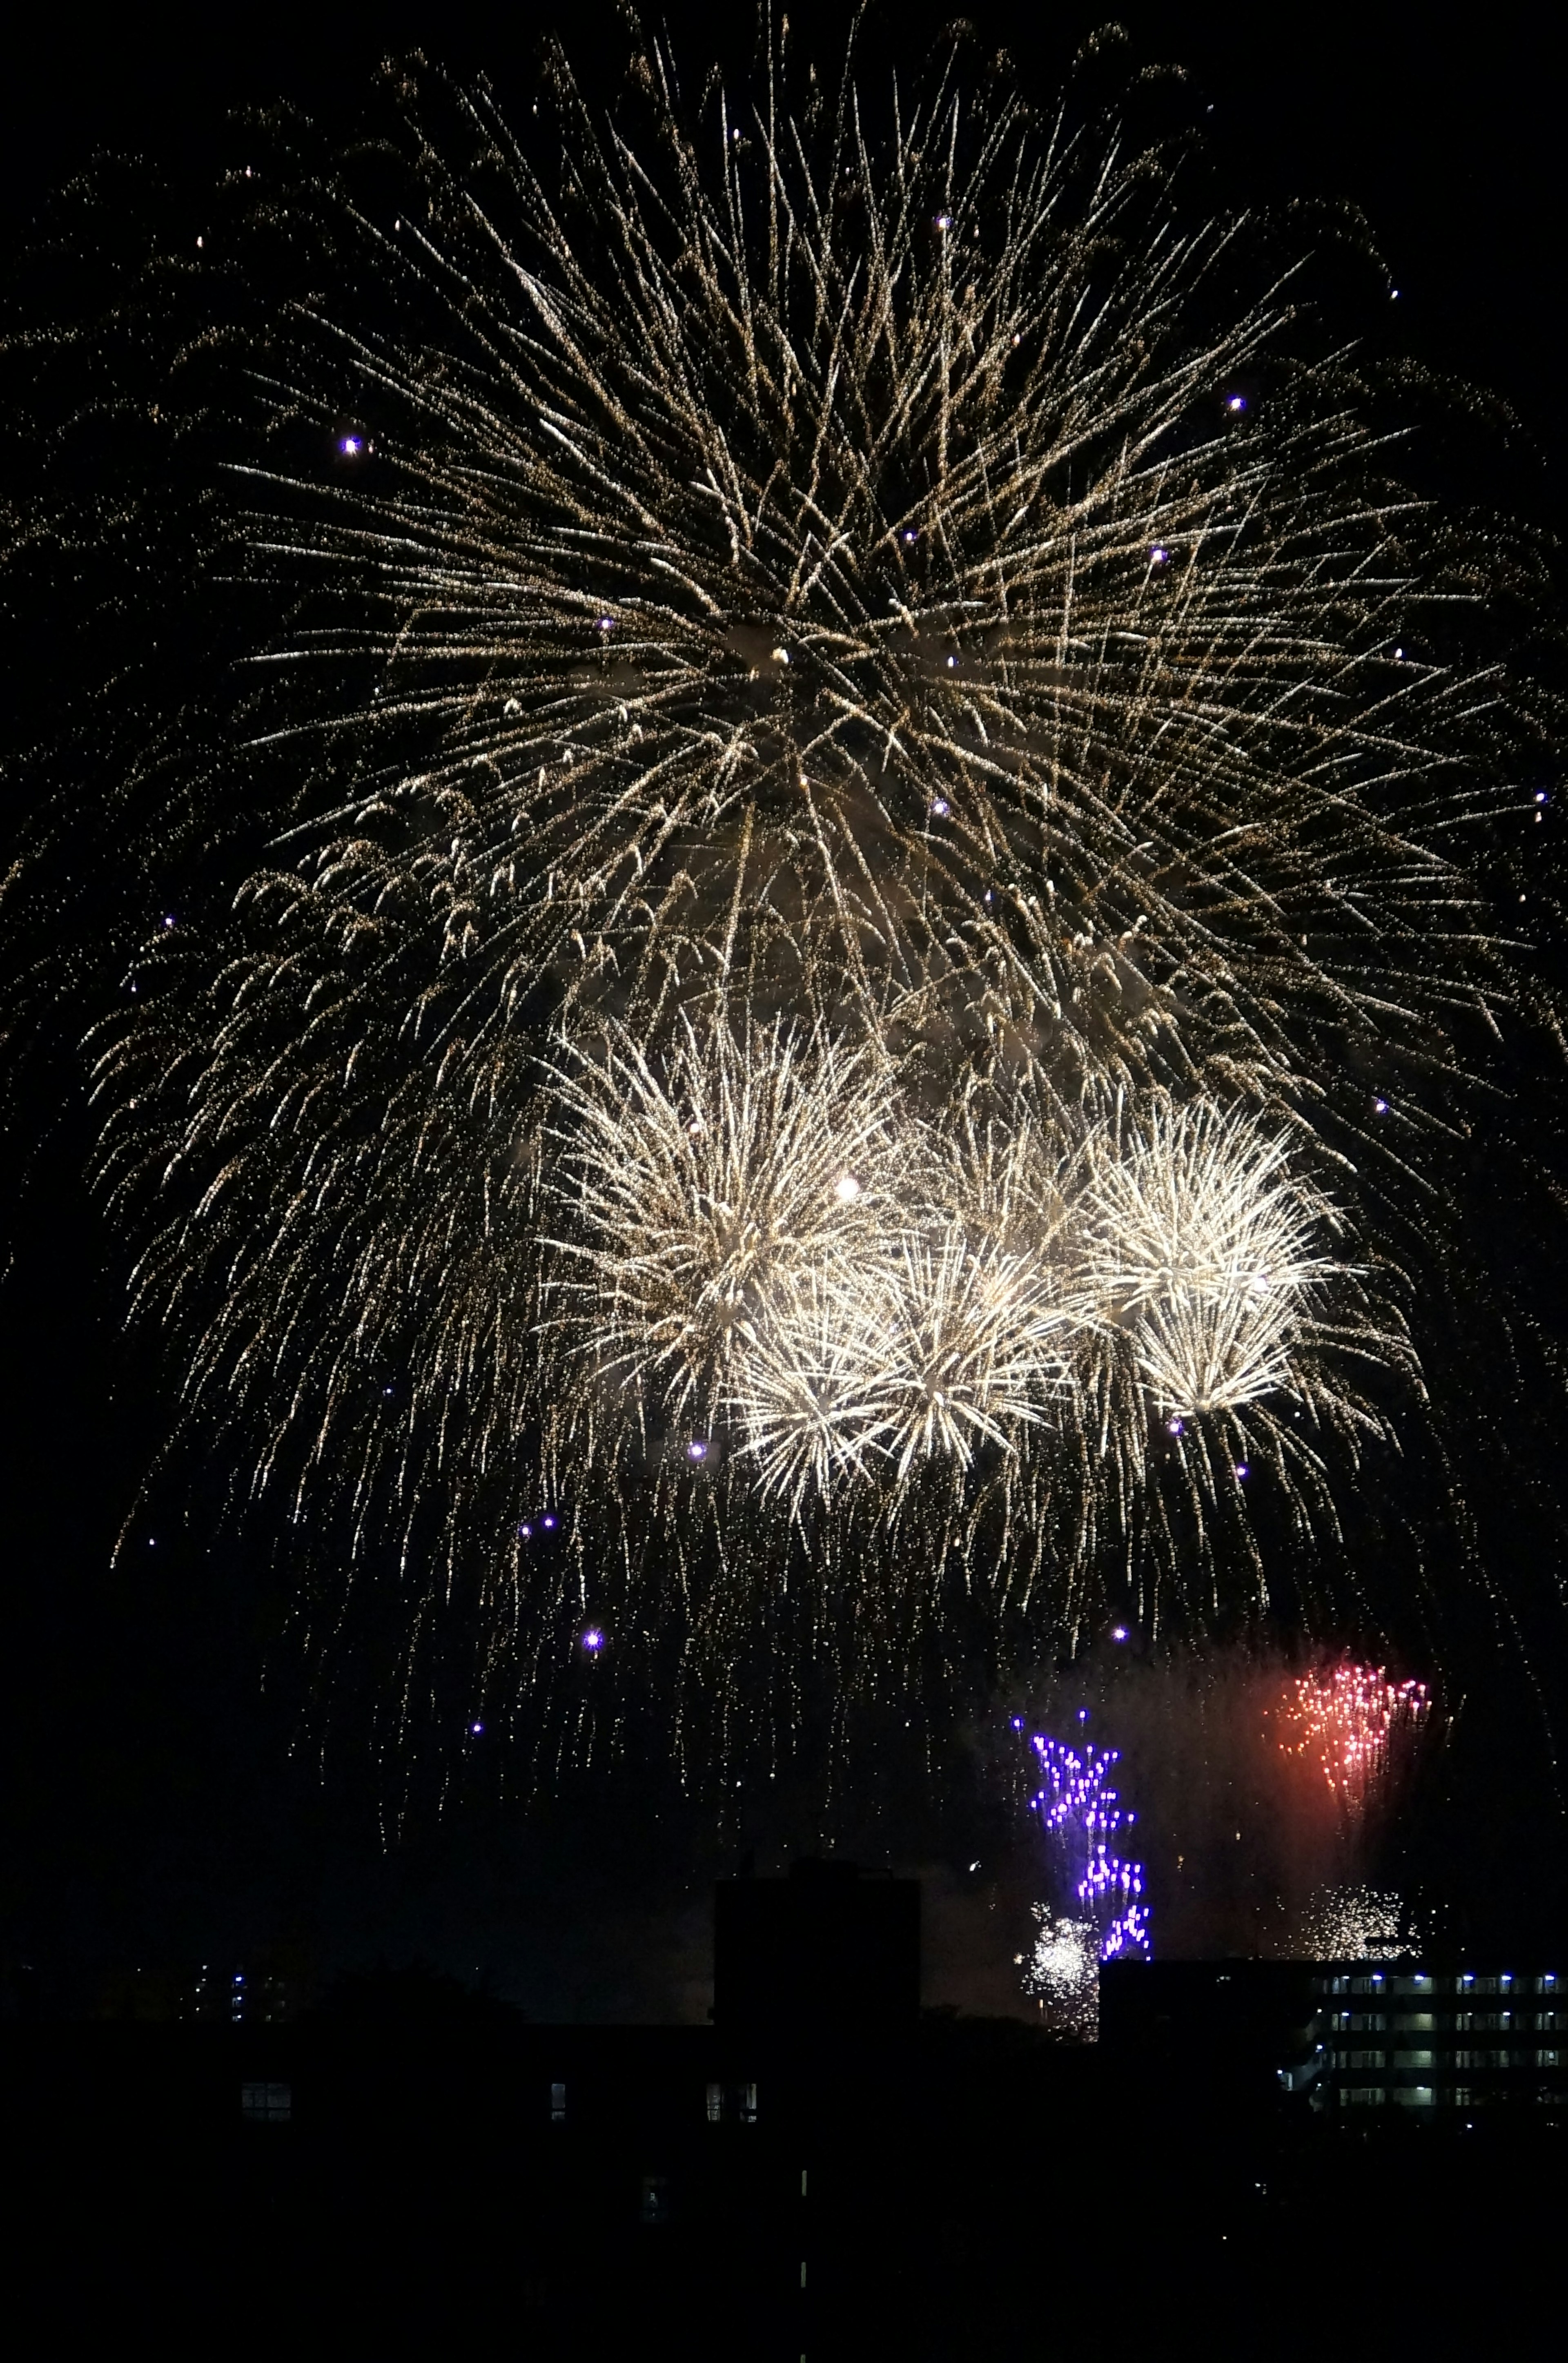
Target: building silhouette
<point>830,1946</point>
<point>824,2171</point>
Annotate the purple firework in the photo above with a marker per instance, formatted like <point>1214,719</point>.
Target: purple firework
<point>1080,1813</point>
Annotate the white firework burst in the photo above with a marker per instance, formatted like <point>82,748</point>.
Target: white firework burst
<point>812,1398</point>
<point>705,1197</point>
<point>1061,1971</point>
<point>1201,1238</point>
<point>1356,1923</point>
<point>977,1344</point>
<point>921,1348</point>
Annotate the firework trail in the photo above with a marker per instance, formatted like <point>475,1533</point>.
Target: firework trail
<point>847,779</point>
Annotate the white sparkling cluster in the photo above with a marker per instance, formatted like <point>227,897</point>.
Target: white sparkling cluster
<point>1062,1971</point>
<point>1354,1924</point>
<point>759,1235</point>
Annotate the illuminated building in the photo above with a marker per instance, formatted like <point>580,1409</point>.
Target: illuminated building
<point>1353,2036</point>
<point>1436,2042</point>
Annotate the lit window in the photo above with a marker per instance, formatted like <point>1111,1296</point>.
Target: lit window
<point>557,2104</point>
<point>735,2103</point>
<point>267,2104</point>
<point>1549,2059</point>
<point>1415,2096</point>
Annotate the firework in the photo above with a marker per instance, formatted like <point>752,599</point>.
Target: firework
<point>702,1200</point>
<point>844,606</point>
<point>1061,1971</point>
<point>1079,1811</point>
<point>1203,1243</point>
<point>760,1241</point>
<point>849,790</point>
<point>1355,1726</point>
<point>1355,1924</point>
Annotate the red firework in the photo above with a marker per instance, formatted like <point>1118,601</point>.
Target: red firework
<point>1357,1725</point>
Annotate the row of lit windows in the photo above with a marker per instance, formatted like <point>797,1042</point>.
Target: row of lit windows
<point>1525,2057</point>
<point>267,2104</point>
<point>1433,2096</point>
<point>1447,2022</point>
<point>727,2104</point>
<point>1421,1982</point>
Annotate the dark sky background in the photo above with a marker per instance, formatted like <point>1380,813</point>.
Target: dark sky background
<point>155,1809</point>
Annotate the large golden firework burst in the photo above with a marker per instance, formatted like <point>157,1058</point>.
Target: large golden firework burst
<point>876,780</point>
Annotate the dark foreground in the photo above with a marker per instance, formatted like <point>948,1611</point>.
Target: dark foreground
<point>959,2189</point>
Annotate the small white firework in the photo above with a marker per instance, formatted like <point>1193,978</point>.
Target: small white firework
<point>702,1195</point>
<point>1062,1970</point>
<point>921,1348</point>
<point>811,1397</point>
<point>1355,1924</point>
<point>1202,1240</point>
<point>978,1345</point>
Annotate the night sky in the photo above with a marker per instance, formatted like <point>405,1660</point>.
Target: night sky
<point>162,1803</point>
